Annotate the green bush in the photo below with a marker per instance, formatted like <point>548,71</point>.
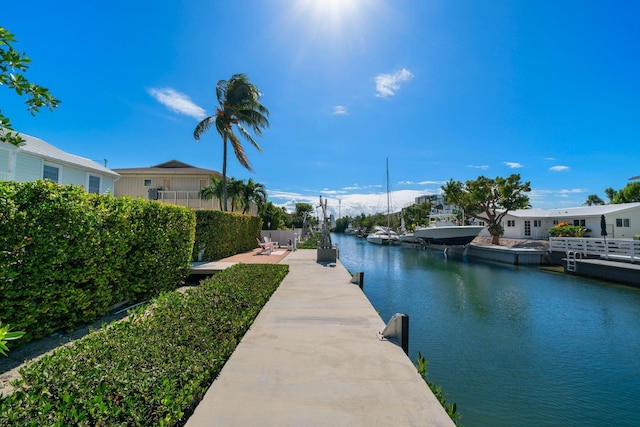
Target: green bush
<point>67,257</point>
<point>563,229</point>
<point>152,368</point>
<point>311,242</point>
<point>222,234</point>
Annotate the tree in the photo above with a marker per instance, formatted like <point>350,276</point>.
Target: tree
<point>12,66</point>
<point>273,217</point>
<point>415,215</point>
<point>239,105</point>
<point>213,190</point>
<point>235,187</point>
<point>593,199</point>
<point>629,194</point>
<point>252,192</point>
<point>302,212</point>
<point>489,199</point>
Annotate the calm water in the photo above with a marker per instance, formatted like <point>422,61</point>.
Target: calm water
<point>512,346</point>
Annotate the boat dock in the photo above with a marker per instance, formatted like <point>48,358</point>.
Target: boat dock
<point>313,357</point>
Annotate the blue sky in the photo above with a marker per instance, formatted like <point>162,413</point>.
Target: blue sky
<point>443,89</point>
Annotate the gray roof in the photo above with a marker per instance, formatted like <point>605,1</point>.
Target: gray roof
<point>583,211</point>
<point>173,167</point>
<point>37,147</point>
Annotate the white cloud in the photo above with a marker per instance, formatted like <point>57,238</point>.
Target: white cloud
<point>513,165</point>
<point>559,168</point>
<point>482,167</point>
<point>177,102</point>
<point>340,110</point>
<point>388,84</point>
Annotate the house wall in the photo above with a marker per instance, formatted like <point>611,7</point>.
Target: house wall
<point>592,223</point>
<point>134,185</point>
<point>28,168</point>
<point>4,165</point>
<point>73,176</point>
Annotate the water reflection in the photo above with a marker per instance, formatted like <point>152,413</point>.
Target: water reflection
<point>511,345</point>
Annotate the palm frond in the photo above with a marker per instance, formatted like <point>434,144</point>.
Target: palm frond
<point>248,137</point>
<point>202,127</point>
<point>239,151</point>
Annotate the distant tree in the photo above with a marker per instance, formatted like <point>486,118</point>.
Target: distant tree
<point>239,105</point>
<point>342,224</point>
<point>593,199</point>
<point>273,217</point>
<point>415,215</point>
<point>252,192</point>
<point>629,194</point>
<point>302,212</point>
<point>12,66</point>
<point>489,199</point>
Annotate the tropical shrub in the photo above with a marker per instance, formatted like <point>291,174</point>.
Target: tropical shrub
<point>564,229</point>
<point>152,368</point>
<point>222,234</point>
<point>67,257</point>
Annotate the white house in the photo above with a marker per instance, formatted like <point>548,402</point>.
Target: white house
<point>622,220</point>
<point>35,159</point>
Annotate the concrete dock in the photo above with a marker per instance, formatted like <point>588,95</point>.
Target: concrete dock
<point>313,358</point>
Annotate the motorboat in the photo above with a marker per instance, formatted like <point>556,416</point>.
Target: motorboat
<point>383,236</point>
<point>444,229</point>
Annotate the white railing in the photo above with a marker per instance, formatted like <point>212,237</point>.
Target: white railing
<point>616,249</point>
<point>190,199</point>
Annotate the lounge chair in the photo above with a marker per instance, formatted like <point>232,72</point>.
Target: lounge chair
<point>265,248</point>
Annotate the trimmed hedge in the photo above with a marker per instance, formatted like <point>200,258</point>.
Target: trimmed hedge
<point>152,368</point>
<point>67,257</point>
<point>223,234</point>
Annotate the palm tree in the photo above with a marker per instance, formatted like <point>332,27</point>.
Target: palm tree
<point>239,104</point>
<point>235,187</point>
<point>213,190</point>
<point>593,199</point>
<point>252,192</point>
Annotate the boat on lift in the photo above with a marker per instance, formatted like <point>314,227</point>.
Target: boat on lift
<point>445,229</point>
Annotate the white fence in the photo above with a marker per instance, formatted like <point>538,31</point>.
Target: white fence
<point>615,249</point>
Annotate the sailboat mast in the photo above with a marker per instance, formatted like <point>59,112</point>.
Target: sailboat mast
<point>388,202</point>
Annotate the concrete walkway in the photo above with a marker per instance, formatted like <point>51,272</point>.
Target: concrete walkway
<point>313,358</point>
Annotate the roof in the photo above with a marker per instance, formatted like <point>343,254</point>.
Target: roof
<point>39,148</point>
<point>583,211</point>
<point>172,167</point>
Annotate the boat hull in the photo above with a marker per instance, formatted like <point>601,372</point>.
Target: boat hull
<point>448,235</point>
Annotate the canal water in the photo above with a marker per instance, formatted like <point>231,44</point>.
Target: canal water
<point>511,346</point>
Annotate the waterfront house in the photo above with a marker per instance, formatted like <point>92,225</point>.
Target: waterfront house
<point>622,220</point>
<point>172,182</point>
<point>36,159</point>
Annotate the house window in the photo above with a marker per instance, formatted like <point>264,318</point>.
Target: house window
<point>556,222</point>
<point>537,223</point>
<point>94,184</point>
<point>147,183</point>
<point>623,222</point>
<point>203,183</point>
<point>527,228</point>
<point>167,184</point>
<point>50,173</point>
<point>579,222</point>
<point>511,223</point>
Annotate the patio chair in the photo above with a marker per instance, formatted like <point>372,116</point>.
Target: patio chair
<point>265,248</point>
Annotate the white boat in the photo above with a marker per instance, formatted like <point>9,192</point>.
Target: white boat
<point>383,236</point>
<point>443,229</point>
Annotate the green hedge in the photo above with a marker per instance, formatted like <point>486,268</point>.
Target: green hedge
<point>67,257</point>
<point>223,234</point>
<point>150,369</point>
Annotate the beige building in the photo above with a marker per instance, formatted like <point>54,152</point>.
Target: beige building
<point>172,182</point>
